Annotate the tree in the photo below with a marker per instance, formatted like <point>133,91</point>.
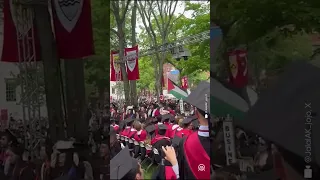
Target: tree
<point>264,23</point>
<point>97,67</point>
<point>51,71</point>
<point>200,56</point>
<point>133,84</point>
<point>147,78</point>
<point>119,10</point>
<point>162,12</point>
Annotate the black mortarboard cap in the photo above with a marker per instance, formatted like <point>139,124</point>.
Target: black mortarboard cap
<point>188,119</point>
<point>162,127</point>
<point>176,141</point>
<point>121,165</point>
<point>166,116</point>
<point>129,120</point>
<point>200,97</point>
<point>195,123</point>
<point>150,128</point>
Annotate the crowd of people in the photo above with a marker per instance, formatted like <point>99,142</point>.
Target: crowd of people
<point>161,135</point>
<point>66,159</point>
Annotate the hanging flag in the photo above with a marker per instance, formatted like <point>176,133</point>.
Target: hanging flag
<point>226,101</point>
<point>24,48</point>
<point>115,69</point>
<point>132,63</point>
<point>238,68</point>
<point>176,91</point>
<point>73,28</point>
<point>184,82</point>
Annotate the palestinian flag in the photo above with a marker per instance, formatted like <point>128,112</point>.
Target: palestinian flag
<point>176,91</point>
<point>225,100</point>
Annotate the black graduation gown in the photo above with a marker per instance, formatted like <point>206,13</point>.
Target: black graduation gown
<point>185,172</point>
<point>158,145</point>
<point>184,169</point>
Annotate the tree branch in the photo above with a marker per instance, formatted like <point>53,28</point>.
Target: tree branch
<point>155,17</point>
<point>115,32</point>
<point>125,10</point>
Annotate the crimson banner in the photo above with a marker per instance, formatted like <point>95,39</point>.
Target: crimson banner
<point>115,69</point>
<point>24,48</point>
<point>238,68</point>
<point>73,28</point>
<point>132,63</point>
<point>184,82</point>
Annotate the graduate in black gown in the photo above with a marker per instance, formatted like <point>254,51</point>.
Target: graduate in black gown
<point>194,150</point>
<point>123,166</point>
<point>160,141</point>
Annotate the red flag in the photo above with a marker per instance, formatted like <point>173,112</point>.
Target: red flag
<point>132,63</point>
<point>73,28</point>
<point>184,82</point>
<point>115,69</point>
<point>238,68</point>
<point>24,48</point>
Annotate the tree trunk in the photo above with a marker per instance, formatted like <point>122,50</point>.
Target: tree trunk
<point>133,84</point>
<point>77,125</point>
<point>51,72</point>
<point>123,67</point>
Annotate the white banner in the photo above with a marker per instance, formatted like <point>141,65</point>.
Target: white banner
<point>229,141</point>
<point>181,106</point>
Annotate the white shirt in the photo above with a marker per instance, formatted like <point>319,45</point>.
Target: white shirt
<point>175,126</point>
<point>204,134</point>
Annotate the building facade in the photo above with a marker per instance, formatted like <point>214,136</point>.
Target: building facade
<point>10,93</point>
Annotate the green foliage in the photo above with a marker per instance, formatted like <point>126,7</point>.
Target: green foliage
<point>274,31</point>
<point>253,19</point>
<point>97,67</point>
<point>147,79</point>
<point>183,27</point>
<point>200,52</point>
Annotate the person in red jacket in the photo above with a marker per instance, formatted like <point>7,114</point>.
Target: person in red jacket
<point>187,127</point>
<point>132,133</point>
<point>156,112</point>
<point>177,126</point>
<point>171,111</point>
<point>165,120</point>
<point>125,132</point>
<point>140,136</point>
<point>114,125</point>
